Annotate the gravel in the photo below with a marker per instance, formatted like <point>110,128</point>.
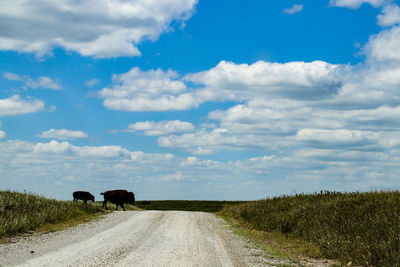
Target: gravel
<point>133,238</point>
<point>141,238</point>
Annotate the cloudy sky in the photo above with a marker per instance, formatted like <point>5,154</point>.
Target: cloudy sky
<point>187,99</point>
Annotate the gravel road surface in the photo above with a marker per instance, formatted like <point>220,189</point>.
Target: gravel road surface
<point>135,238</point>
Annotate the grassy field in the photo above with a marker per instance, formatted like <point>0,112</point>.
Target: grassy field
<point>186,205</point>
<point>362,228</point>
<point>27,212</point>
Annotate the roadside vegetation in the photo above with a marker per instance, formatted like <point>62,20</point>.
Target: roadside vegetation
<point>21,213</point>
<point>361,229</point>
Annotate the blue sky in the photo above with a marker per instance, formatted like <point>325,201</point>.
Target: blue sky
<point>186,99</point>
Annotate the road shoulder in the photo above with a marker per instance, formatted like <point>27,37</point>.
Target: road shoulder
<point>265,252</point>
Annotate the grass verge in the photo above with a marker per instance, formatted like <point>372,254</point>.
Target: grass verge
<point>358,228</point>
<point>22,213</point>
<point>279,246</point>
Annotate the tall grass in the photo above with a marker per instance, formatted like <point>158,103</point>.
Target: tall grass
<point>363,228</point>
<point>22,212</point>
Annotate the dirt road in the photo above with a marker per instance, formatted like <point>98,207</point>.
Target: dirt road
<point>135,238</point>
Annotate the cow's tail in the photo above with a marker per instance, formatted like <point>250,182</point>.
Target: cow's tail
<point>101,193</point>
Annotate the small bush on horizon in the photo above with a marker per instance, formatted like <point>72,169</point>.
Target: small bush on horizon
<point>363,228</point>
<point>185,205</point>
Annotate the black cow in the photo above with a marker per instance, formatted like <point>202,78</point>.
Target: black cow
<point>83,195</point>
<point>118,197</point>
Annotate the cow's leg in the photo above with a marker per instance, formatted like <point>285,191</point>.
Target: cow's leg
<point>122,205</point>
<point>75,199</point>
<point>105,204</point>
<point>117,206</point>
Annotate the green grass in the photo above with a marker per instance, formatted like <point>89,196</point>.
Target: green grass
<point>363,228</point>
<point>276,245</point>
<point>27,212</point>
<point>185,205</point>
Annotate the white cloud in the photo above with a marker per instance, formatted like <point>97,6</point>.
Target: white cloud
<point>157,90</point>
<point>152,128</point>
<point>177,176</point>
<point>53,147</point>
<point>390,15</point>
<point>251,119</point>
<point>101,151</point>
<point>296,8</point>
<point>102,29</point>
<point>385,46</point>
<point>356,3</point>
<point>12,76</point>
<point>62,134</point>
<point>2,134</point>
<point>336,136</point>
<point>66,149</point>
<point>40,82</point>
<point>298,80</point>
<point>92,82</point>
<point>15,105</point>
<point>203,142</point>
<point>153,90</point>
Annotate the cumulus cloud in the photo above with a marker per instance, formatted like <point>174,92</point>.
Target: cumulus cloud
<point>356,3</point>
<point>379,77</point>
<point>385,46</point>
<point>296,8</point>
<point>15,105</point>
<point>62,134</point>
<point>40,82</point>
<point>117,152</point>
<point>297,80</point>
<point>158,90</point>
<point>53,147</point>
<point>101,29</point>
<point>152,128</point>
<point>2,134</point>
<point>337,136</point>
<point>390,15</point>
<point>153,90</point>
